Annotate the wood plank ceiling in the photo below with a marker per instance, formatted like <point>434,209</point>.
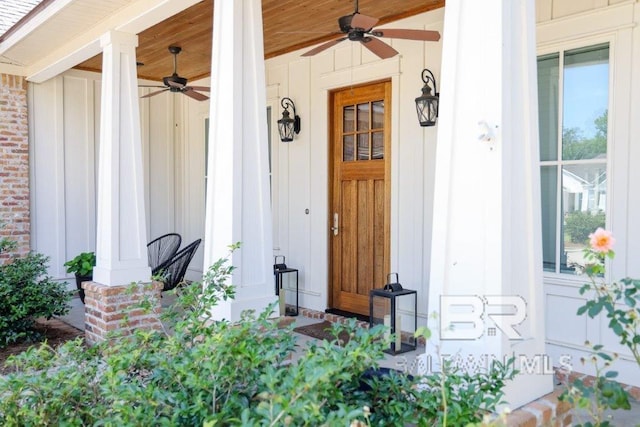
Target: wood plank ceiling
<point>288,25</point>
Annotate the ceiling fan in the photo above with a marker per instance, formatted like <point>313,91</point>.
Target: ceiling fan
<point>175,83</point>
<point>359,27</point>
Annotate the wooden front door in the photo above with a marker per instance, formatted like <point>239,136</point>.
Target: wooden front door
<point>360,193</point>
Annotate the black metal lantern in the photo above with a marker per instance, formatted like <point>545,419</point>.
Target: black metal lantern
<point>397,309</point>
<point>287,125</point>
<point>427,103</point>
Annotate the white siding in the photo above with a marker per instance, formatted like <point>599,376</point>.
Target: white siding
<point>64,128</point>
<point>302,177</point>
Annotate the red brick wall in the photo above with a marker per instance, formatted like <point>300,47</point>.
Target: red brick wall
<point>14,162</point>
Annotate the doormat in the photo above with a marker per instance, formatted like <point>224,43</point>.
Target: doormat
<point>322,331</point>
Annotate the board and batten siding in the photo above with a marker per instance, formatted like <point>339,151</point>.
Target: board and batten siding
<point>64,118</point>
<point>301,177</point>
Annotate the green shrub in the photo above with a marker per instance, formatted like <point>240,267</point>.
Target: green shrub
<point>578,225</point>
<point>82,264</point>
<point>26,293</point>
<point>223,373</point>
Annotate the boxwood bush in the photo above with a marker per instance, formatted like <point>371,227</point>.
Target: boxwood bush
<point>26,293</point>
<point>198,372</point>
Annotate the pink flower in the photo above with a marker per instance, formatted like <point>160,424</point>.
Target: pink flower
<point>601,240</point>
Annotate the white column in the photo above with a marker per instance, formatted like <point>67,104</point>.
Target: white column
<point>238,201</point>
<point>121,250</point>
<point>486,226</point>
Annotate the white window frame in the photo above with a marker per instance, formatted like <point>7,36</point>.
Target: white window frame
<point>560,48</point>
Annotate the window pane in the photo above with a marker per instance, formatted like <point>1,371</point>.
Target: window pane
<point>347,119</point>
<point>584,199</point>
<point>347,148</point>
<point>585,102</point>
<point>363,146</point>
<point>549,190</point>
<point>548,81</point>
<point>363,117</point>
<point>377,118</point>
<point>378,145</point>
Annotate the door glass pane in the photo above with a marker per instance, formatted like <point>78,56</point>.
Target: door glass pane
<point>549,190</point>
<point>377,151</point>
<point>548,102</point>
<point>347,148</point>
<point>363,146</point>
<point>585,102</point>
<point>377,116</point>
<point>584,199</point>
<point>363,117</point>
<point>347,119</point>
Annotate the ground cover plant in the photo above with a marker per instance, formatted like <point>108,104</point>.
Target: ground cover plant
<point>198,372</point>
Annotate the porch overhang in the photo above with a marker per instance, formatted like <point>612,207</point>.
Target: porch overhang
<point>85,21</point>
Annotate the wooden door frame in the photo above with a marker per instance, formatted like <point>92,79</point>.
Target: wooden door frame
<point>330,177</point>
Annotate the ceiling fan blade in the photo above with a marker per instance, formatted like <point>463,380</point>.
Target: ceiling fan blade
<point>378,47</point>
<point>325,46</point>
<point>154,93</point>
<point>426,35</point>
<point>200,88</point>
<point>193,94</point>
<point>363,21</point>
<point>150,86</point>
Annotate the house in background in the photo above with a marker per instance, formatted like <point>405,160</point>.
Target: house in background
<point>451,208</point>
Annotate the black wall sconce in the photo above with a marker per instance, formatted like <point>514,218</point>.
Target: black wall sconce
<point>427,103</point>
<point>287,125</point>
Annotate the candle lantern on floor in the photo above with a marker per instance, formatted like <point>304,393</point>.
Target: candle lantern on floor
<point>397,309</point>
<point>280,269</point>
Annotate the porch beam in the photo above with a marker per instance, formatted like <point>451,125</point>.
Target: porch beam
<point>486,224</point>
<point>238,197</point>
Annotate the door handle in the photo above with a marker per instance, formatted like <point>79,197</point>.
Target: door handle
<point>335,227</point>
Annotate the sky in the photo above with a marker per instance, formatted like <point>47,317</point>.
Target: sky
<point>586,96</point>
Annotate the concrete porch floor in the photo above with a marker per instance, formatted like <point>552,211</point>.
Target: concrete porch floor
<point>539,413</point>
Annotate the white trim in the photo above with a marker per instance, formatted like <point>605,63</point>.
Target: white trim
<point>133,19</point>
<point>33,24</point>
<point>584,26</point>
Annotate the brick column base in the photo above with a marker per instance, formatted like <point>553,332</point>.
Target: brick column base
<point>112,311</point>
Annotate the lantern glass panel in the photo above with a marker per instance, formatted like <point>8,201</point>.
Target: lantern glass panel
<point>285,127</point>
<point>397,311</point>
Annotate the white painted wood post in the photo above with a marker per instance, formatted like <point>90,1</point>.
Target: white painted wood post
<point>486,226</point>
<point>121,250</point>
<point>238,197</point>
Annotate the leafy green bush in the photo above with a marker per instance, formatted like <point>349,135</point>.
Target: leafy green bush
<point>26,293</point>
<point>223,373</point>
<point>82,264</point>
<point>578,225</point>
